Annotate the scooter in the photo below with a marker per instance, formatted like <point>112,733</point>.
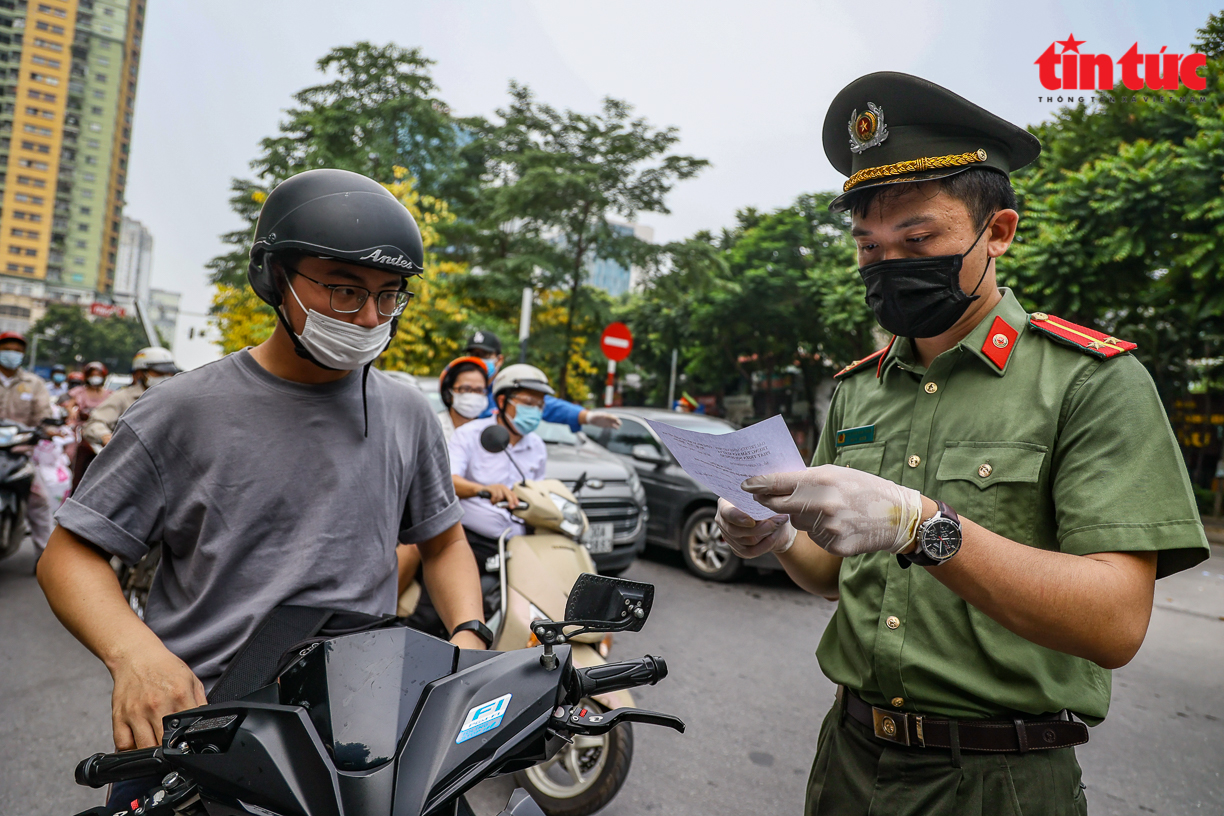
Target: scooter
<point>389,721</point>
<point>16,477</point>
<point>535,573</point>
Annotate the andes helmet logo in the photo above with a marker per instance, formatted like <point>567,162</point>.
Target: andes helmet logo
<point>1073,70</point>
<point>378,256</point>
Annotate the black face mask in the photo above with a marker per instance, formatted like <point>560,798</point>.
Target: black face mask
<point>919,297</point>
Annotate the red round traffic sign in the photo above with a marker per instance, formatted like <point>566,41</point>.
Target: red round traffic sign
<point>616,342</point>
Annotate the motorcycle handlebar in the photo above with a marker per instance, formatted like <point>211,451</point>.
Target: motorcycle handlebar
<point>645,671</point>
<point>103,769</point>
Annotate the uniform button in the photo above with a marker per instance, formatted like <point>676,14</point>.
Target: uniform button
<point>931,388</point>
<point>893,622</point>
<point>897,702</point>
<point>985,470</point>
<point>914,461</point>
<point>1000,340</point>
<point>1040,316</point>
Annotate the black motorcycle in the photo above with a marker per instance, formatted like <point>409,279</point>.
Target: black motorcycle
<point>386,721</point>
<point>16,478</point>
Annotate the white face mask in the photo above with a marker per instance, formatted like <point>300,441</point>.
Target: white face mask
<point>153,379</point>
<point>340,345</point>
<point>95,381</point>
<point>469,405</point>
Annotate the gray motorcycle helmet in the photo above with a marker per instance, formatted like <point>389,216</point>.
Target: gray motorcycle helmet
<point>334,214</point>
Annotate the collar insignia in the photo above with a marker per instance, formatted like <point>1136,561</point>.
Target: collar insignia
<point>867,129</point>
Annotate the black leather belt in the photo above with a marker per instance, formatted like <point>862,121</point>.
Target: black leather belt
<point>995,736</point>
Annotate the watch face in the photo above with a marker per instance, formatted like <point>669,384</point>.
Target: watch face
<point>941,539</point>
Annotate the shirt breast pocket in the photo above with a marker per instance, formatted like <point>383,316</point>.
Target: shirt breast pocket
<point>868,458</point>
<point>994,484</point>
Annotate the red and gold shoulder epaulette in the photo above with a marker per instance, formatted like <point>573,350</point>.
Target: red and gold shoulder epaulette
<point>876,358</point>
<point>1081,337</point>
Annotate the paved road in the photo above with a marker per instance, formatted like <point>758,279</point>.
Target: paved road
<point>742,676</point>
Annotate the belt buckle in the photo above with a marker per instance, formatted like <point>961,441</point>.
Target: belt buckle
<point>891,726</point>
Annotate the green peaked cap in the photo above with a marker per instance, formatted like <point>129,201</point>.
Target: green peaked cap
<point>888,127</point>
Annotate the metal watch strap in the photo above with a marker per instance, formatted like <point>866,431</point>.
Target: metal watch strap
<point>476,627</point>
<point>917,556</point>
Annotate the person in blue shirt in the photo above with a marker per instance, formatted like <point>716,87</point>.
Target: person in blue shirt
<point>487,346</point>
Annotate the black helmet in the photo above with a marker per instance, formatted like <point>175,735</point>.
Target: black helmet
<point>334,214</point>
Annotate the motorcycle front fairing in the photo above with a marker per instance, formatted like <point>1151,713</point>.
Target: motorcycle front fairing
<point>389,721</point>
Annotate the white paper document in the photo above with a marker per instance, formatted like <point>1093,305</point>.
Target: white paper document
<point>722,462</point>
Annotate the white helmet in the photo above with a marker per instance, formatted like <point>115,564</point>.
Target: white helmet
<point>154,358</point>
<point>521,375</point>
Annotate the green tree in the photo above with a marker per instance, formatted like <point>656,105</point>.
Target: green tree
<point>379,111</point>
<point>552,180</point>
<point>69,337</point>
<point>777,291</point>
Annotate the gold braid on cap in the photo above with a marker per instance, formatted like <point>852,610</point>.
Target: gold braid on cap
<point>913,166</point>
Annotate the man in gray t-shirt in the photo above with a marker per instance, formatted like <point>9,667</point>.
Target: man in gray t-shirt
<point>284,503</point>
<point>283,474</point>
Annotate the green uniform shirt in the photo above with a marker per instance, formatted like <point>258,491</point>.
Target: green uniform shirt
<point>1058,450</point>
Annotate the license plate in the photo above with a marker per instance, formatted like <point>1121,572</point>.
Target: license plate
<point>598,539</point>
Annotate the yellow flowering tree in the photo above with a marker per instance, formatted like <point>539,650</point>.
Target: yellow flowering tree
<point>431,330</point>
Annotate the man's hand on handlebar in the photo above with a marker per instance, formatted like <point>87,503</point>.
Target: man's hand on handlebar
<point>148,687</point>
<point>499,493</point>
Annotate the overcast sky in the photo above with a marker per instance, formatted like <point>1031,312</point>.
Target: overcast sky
<point>747,84</point>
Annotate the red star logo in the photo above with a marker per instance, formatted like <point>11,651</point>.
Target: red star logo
<point>1071,44</point>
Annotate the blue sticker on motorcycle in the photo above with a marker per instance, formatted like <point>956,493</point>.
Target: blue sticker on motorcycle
<point>483,718</point>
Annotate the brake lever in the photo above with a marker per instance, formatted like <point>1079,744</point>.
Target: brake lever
<point>579,719</point>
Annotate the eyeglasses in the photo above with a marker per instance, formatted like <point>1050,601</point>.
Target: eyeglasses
<point>535,402</point>
<point>348,299</point>
<point>468,389</point>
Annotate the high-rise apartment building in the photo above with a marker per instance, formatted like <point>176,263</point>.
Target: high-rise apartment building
<point>66,109</point>
<point>134,264</point>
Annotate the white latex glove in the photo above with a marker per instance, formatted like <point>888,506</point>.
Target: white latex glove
<point>749,538</point>
<point>603,419</point>
<point>845,511</point>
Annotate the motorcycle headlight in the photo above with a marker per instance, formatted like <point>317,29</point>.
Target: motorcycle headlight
<point>571,513</point>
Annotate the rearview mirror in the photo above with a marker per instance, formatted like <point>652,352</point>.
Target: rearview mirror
<point>603,599</point>
<point>494,439</point>
<point>597,603</point>
<point>649,454</point>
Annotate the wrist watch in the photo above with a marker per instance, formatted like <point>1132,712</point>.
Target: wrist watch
<point>476,627</point>
<point>938,539</point>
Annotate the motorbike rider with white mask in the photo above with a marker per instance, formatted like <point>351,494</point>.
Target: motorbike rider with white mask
<point>281,474</point>
<point>150,366</point>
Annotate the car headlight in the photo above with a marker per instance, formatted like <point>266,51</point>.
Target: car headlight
<point>635,484</point>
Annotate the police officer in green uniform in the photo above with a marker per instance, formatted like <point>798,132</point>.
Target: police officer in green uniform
<point>993,497</point>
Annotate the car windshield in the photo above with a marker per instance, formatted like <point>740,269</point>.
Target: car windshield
<point>698,423</point>
<point>556,433</point>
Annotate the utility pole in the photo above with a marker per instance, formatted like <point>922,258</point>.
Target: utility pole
<point>671,385</point>
<point>524,324</point>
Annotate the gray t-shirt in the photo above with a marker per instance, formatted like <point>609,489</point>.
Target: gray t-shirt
<point>264,492</point>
